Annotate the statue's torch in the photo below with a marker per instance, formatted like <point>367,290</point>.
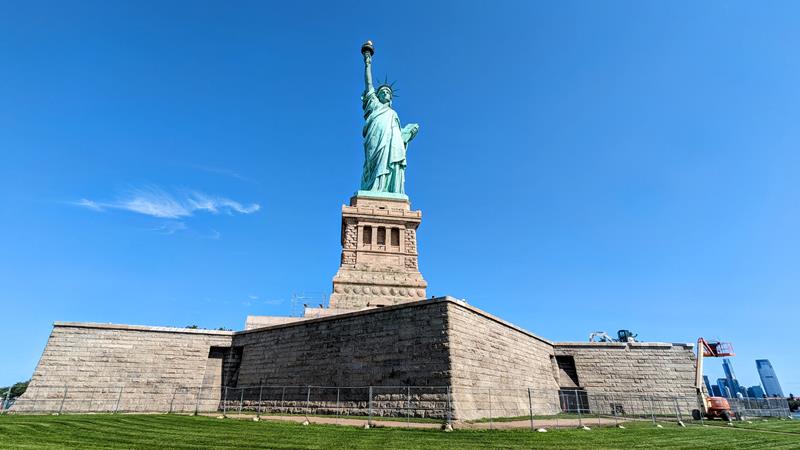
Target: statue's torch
<point>367,48</point>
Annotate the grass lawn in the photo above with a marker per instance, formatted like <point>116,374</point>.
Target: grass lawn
<point>250,414</point>
<point>188,432</point>
<point>783,426</point>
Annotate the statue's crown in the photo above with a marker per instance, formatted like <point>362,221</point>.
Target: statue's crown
<point>386,84</point>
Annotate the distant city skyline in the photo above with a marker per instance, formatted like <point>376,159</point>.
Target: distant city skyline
<point>730,386</point>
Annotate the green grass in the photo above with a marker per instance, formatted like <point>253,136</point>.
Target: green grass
<point>344,416</point>
<point>521,418</point>
<point>772,424</point>
<point>586,417</point>
<point>188,432</point>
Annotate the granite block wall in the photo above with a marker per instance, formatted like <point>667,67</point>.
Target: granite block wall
<point>444,353</point>
<point>102,367</point>
<point>395,346</point>
<point>341,356</point>
<point>494,363</point>
<point>639,375</point>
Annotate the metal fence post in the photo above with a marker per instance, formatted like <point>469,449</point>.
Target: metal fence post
<point>283,396</point>
<point>241,401</point>
<point>560,405</point>
<point>652,410</point>
<point>491,420</point>
<point>578,403</point>
<point>225,403</point>
<point>260,392</point>
<point>449,408</point>
<point>308,401</point>
<point>61,407</point>
<point>530,407</point>
<point>174,393</point>
<point>91,400</point>
<point>369,421</point>
<point>596,410</point>
<point>119,397</point>
<point>614,409</point>
<point>408,405</point>
<point>197,400</point>
<point>337,401</point>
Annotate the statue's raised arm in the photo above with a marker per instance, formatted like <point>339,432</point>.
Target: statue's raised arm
<point>385,141</point>
<point>367,50</point>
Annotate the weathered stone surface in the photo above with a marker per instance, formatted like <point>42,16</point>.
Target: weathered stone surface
<point>648,367</point>
<point>389,347</point>
<point>452,353</point>
<point>493,363</point>
<point>92,362</point>
<point>379,255</point>
<point>254,322</point>
<point>636,372</point>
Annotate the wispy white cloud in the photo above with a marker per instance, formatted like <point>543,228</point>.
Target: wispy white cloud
<point>170,227</point>
<point>152,201</point>
<point>88,204</point>
<point>156,202</point>
<point>214,205</point>
<point>224,171</point>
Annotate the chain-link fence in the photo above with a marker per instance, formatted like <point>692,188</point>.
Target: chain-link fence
<point>508,407</point>
<point>476,407</point>
<point>760,407</point>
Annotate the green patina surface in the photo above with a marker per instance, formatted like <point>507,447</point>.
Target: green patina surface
<point>382,195</point>
<point>385,140</point>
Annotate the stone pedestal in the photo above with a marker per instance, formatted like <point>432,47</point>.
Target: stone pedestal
<point>379,254</point>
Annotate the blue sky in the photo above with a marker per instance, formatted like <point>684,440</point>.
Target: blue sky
<point>580,166</point>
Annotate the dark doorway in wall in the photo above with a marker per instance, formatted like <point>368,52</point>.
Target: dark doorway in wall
<point>222,368</point>
<point>567,373</point>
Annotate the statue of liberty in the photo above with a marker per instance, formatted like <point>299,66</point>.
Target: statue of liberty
<point>385,142</point>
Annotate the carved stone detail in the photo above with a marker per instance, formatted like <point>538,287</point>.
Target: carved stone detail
<point>411,240</point>
<point>374,272</point>
<point>348,258</point>
<point>349,234</point>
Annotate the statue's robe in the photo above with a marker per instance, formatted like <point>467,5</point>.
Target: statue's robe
<point>384,147</point>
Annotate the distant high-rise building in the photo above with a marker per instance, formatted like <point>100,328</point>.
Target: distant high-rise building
<point>755,392</point>
<point>730,376</point>
<point>768,378</point>
<point>716,391</point>
<point>708,385</point>
<point>724,389</point>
